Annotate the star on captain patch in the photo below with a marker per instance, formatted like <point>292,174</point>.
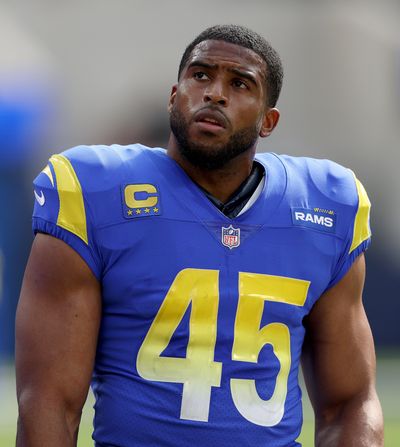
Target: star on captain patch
<point>230,237</point>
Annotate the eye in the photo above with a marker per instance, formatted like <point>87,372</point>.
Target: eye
<point>239,83</point>
<point>200,75</point>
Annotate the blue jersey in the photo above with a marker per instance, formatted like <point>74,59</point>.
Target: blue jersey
<point>202,323</point>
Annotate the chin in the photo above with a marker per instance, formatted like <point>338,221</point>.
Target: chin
<point>207,142</point>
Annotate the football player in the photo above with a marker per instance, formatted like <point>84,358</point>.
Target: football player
<point>188,284</point>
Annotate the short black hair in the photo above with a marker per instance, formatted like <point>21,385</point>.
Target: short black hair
<point>240,35</point>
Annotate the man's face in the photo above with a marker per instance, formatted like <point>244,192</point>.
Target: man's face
<point>218,108</point>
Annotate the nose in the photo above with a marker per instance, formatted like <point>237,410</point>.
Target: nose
<point>215,94</point>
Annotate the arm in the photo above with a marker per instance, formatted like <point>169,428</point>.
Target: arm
<point>57,324</point>
<point>339,367</point>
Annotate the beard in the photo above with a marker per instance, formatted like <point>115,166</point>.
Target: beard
<point>210,156</point>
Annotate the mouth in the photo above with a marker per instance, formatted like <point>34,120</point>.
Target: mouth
<point>211,119</point>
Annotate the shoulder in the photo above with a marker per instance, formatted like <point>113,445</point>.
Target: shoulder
<point>327,179</point>
<point>100,167</point>
<point>105,156</point>
<point>317,187</point>
<point>91,169</point>
<point>86,180</point>
<point>322,177</point>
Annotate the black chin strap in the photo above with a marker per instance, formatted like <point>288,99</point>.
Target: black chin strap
<point>240,197</point>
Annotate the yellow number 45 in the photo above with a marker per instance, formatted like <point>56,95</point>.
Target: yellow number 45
<point>198,372</point>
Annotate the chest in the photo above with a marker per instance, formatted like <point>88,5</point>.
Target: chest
<point>143,260</point>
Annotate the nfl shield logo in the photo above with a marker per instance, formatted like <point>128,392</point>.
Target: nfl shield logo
<point>231,237</point>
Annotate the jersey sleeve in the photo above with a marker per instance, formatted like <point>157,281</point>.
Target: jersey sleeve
<point>62,210</point>
<point>359,234</point>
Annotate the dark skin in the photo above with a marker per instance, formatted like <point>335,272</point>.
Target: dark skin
<point>59,312</point>
<point>57,324</point>
<point>230,78</point>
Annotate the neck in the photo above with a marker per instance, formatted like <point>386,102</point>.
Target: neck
<point>220,183</point>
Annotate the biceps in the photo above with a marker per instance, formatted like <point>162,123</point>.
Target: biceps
<point>57,323</point>
<point>339,357</point>
<point>344,367</point>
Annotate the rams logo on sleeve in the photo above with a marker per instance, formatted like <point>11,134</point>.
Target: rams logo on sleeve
<point>315,218</point>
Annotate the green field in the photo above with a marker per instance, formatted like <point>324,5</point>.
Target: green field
<point>387,383</point>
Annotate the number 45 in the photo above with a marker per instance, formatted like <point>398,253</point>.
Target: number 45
<point>198,371</point>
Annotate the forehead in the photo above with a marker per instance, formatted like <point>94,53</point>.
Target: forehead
<point>224,53</point>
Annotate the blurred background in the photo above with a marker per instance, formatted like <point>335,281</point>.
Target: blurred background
<point>98,71</point>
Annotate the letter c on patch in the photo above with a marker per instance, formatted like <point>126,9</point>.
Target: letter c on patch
<point>140,196</point>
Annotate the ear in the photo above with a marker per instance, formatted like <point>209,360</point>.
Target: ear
<point>270,120</point>
<point>172,97</point>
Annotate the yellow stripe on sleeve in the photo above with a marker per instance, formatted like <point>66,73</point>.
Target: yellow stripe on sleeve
<point>47,171</point>
<point>72,215</point>
<point>361,230</point>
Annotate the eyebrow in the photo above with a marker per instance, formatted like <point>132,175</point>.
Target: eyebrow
<point>200,63</point>
<point>237,71</point>
<point>244,74</point>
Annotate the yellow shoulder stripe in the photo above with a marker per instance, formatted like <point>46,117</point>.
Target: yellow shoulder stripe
<point>47,171</point>
<point>361,230</point>
<point>72,215</point>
